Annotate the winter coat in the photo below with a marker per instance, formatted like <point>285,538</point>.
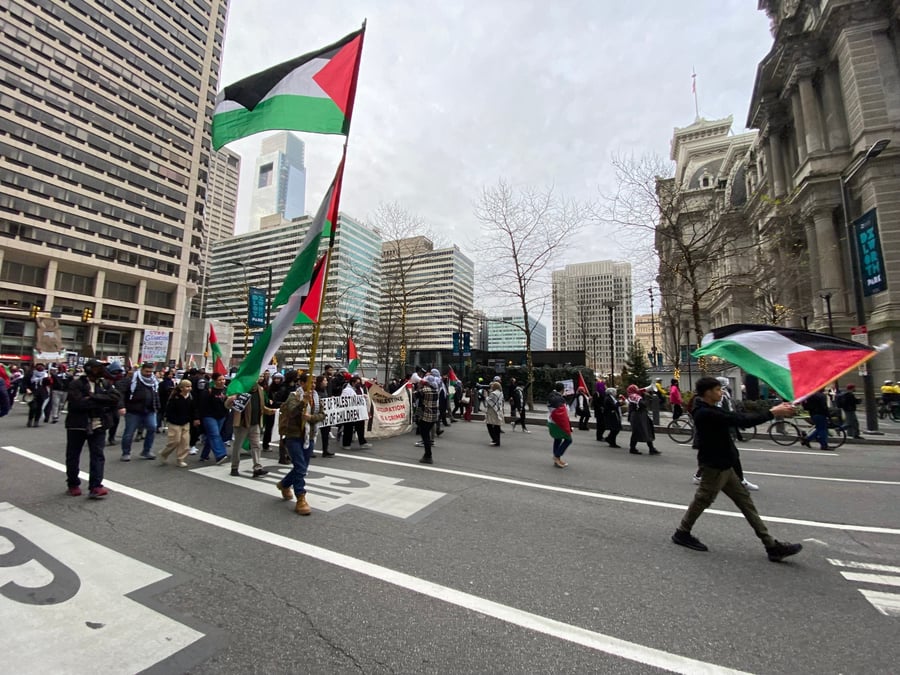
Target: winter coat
<point>641,424</point>
<point>87,402</point>
<point>612,415</point>
<point>493,411</point>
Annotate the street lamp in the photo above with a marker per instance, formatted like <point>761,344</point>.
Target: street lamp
<point>652,329</point>
<point>845,178</point>
<point>594,352</point>
<point>268,271</point>
<point>610,305</point>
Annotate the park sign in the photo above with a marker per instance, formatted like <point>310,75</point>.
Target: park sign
<point>868,250</point>
<point>256,308</point>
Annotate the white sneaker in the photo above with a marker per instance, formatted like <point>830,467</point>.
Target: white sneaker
<point>366,446</point>
<point>526,431</point>
<point>696,479</point>
<point>750,486</point>
<point>193,451</point>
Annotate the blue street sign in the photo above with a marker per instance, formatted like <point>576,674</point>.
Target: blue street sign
<point>256,308</point>
<point>868,248</point>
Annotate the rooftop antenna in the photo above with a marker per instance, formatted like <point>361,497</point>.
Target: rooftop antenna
<point>694,91</point>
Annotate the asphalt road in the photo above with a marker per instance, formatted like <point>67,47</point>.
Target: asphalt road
<point>491,560</point>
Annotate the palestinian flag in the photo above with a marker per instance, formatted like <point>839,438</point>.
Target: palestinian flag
<point>313,92</point>
<point>451,375</point>
<point>582,384</point>
<point>558,423</point>
<point>297,285</point>
<point>215,351</point>
<point>311,308</point>
<point>352,357</point>
<point>795,363</point>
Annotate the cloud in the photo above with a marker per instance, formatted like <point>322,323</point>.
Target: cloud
<point>454,96</point>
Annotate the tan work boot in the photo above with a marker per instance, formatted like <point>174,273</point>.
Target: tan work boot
<point>286,493</point>
<point>302,507</point>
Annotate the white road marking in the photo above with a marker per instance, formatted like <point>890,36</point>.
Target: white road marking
<point>825,478</point>
<point>792,452</point>
<point>336,488</point>
<point>886,603</point>
<point>85,616</point>
<point>875,567</point>
<point>880,579</point>
<point>598,641</point>
<point>627,500</point>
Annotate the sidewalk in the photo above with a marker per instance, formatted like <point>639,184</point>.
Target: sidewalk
<point>888,431</point>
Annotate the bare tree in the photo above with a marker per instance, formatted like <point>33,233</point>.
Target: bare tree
<point>406,237</point>
<point>522,234</point>
<point>704,247</point>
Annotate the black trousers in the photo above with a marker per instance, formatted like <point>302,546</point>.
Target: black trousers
<point>96,441</point>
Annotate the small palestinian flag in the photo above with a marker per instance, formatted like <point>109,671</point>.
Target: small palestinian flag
<point>581,383</point>
<point>558,423</point>
<point>352,357</point>
<point>218,367</point>
<point>452,375</point>
<point>795,363</point>
<point>313,92</point>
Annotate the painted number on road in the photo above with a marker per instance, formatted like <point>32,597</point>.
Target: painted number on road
<point>64,604</point>
<point>331,489</point>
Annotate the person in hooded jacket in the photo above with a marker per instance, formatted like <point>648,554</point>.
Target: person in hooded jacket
<point>180,413</point>
<point>38,387</point>
<point>612,415</point>
<point>93,404</point>
<point>639,418</point>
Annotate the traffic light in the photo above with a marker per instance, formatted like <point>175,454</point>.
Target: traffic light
<point>87,314</point>
<point>34,311</point>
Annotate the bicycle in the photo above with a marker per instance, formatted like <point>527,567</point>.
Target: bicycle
<point>787,433</point>
<point>681,430</point>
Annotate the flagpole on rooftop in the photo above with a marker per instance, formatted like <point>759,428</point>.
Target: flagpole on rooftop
<point>694,91</point>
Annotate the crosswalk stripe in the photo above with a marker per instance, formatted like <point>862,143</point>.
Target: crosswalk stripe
<point>886,603</point>
<point>874,567</point>
<point>881,579</point>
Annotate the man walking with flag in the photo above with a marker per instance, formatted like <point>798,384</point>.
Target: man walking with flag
<point>717,456</point>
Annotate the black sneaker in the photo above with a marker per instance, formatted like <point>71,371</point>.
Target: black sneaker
<point>235,472</point>
<point>688,540</point>
<point>782,549</point>
<point>259,472</point>
<point>426,459</point>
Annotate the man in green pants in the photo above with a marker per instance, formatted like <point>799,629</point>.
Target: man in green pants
<point>717,457</point>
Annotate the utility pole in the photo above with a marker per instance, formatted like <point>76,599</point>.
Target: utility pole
<point>610,305</point>
<point>652,327</point>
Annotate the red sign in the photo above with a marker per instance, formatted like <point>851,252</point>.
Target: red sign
<point>859,330</point>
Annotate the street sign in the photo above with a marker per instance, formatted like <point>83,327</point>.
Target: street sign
<point>868,248</point>
<point>467,344</point>
<point>860,334</point>
<point>256,307</point>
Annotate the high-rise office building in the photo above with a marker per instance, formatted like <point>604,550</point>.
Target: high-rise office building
<point>220,211</point>
<point>587,297</point>
<point>253,258</point>
<point>279,183</point>
<point>104,155</point>
<point>426,296</point>
<point>506,333</point>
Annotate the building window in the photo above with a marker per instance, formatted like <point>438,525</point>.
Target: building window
<point>18,273</point>
<point>123,292</point>
<point>159,298</point>
<point>266,171</point>
<point>159,319</point>
<point>74,283</point>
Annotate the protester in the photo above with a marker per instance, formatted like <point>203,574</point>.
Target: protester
<point>641,425</point>
<point>559,425</point>
<point>612,416</point>
<point>517,408</point>
<point>817,407</point>
<point>179,414</point>
<point>211,411</point>
<point>59,391</point>
<point>429,413</point>
<point>141,404</point>
<point>93,403</point>
<point>37,391</point>
<point>247,412</point>
<point>675,400</point>
<point>716,454</point>
<point>582,408</point>
<point>597,401</point>
<point>321,386</point>
<point>493,412</point>
<point>847,403</point>
<point>301,413</point>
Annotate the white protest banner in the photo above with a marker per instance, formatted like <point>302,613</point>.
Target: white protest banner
<point>344,409</point>
<point>391,413</point>
<point>155,346</point>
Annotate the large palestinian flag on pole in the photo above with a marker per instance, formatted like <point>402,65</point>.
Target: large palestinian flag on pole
<point>313,92</point>
<point>298,284</point>
<point>795,363</point>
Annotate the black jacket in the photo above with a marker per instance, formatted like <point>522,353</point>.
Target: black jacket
<point>211,403</point>
<point>817,404</point>
<point>84,406</point>
<point>712,433</point>
<point>180,410</point>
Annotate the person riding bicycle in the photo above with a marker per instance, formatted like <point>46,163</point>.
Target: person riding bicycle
<point>817,407</point>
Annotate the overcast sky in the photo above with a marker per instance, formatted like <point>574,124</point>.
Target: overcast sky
<point>456,95</point>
